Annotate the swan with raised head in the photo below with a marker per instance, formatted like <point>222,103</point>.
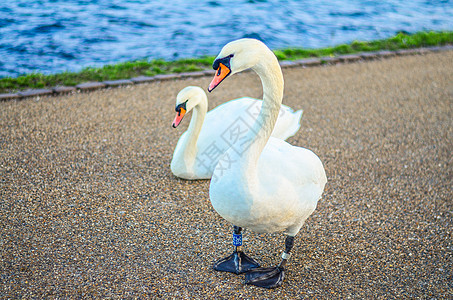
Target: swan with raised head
<point>210,135</point>
<point>262,183</point>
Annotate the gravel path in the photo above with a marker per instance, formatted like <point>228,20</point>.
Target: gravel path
<point>89,207</point>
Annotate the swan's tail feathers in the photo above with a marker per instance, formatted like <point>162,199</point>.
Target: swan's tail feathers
<point>290,123</point>
<point>298,118</point>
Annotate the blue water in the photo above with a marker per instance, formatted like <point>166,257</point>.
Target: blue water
<point>51,36</point>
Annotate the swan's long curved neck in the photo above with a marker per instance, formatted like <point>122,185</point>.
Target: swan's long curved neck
<point>271,77</point>
<point>196,123</point>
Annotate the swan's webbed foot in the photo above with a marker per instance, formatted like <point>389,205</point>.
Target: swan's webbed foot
<point>271,278</point>
<point>236,263</point>
<point>268,278</point>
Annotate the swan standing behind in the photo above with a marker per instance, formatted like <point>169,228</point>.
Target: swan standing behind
<point>265,185</point>
<point>210,135</point>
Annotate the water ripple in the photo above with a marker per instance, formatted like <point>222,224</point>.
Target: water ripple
<point>51,36</point>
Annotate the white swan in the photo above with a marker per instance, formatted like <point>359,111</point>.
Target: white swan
<point>210,135</point>
<point>265,185</point>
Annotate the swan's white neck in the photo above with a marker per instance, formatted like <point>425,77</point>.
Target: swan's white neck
<point>271,77</point>
<point>189,147</point>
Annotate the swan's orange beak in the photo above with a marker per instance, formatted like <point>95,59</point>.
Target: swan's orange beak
<point>179,115</point>
<point>221,73</point>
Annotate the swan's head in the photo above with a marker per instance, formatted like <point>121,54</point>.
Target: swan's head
<point>186,100</point>
<point>238,56</point>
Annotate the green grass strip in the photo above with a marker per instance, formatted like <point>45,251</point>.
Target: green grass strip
<point>131,69</point>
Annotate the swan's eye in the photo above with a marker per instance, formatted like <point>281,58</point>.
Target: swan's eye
<point>181,106</point>
<point>225,61</point>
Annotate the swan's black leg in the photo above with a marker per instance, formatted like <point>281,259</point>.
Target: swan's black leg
<point>271,277</point>
<point>237,262</point>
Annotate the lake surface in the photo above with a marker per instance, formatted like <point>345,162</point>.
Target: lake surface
<point>52,36</point>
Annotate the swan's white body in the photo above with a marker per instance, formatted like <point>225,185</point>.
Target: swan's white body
<point>266,185</point>
<point>210,134</point>
<point>278,195</point>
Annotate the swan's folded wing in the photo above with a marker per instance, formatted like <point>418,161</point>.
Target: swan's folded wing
<point>301,166</point>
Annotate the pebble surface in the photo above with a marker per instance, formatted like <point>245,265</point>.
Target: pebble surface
<point>90,208</point>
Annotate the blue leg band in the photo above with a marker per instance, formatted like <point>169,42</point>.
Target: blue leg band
<point>237,239</point>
